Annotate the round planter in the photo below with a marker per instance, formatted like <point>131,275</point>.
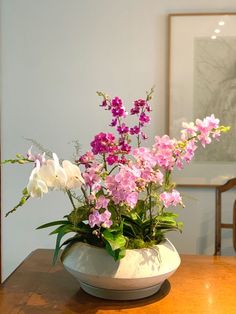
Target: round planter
<point>138,275</point>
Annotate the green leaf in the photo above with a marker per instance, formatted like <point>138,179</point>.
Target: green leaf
<point>140,208</point>
<point>72,228</point>
<point>53,223</point>
<point>118,228</point>
<point>117,254</point>
<point>75,238</point>
<point>115,240</point>
<point>58,230</point>
<point>133,220</point>
<point>129,229</point>
<point>60,235</point>
<point>57,248</point>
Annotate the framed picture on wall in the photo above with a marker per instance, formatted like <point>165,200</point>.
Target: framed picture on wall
<point>202,81</point>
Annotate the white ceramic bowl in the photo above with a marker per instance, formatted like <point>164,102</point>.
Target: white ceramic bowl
<point>139,274</point>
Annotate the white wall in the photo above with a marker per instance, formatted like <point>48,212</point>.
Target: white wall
<point>55,54</point>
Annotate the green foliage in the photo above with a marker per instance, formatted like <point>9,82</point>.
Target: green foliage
<point>140,209</point>
<point>116,240</point>
<point>116,254</point>
<point>133,233</point>
<point>146,232</point>
<point>82,231</point>
<point>53,223</point>
<point>115,243</point>
<point>61,232</point>
<point>77,215</point>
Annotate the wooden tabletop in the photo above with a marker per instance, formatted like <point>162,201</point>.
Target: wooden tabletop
<point>202,284</point>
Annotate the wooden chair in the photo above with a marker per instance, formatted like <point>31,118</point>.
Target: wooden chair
<point>218,223</point>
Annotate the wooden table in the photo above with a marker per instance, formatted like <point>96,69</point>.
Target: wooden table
<point>202,284</point>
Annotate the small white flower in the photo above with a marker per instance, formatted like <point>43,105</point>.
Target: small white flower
<point>74,177</point>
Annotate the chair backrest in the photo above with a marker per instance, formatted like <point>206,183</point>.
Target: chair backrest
<point>218,219</point>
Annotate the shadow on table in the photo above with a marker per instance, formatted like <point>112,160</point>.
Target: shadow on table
<point>82,300</point>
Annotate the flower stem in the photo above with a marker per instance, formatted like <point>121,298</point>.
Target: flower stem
<point>112,169</point>
<point>149,191</point>
<point>85,195</point>
<point>139,141</point>
<point>167,180</point>
<point>104,162</point>
<point>71,199</point>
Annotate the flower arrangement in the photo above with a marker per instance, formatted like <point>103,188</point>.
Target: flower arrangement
<point>121,194</point>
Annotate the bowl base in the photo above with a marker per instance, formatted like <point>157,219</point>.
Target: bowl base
<point>112,294</point>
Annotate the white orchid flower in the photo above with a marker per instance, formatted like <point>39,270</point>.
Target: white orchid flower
<point>36,186</point>
<point>53,174</point>
<point>74,177</point>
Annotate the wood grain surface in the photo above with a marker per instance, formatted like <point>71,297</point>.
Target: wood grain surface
<point>202,284</point>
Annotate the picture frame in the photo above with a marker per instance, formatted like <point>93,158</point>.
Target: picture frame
<point>202,81</point>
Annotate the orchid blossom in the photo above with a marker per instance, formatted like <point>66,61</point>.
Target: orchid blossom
<point>36,186</point>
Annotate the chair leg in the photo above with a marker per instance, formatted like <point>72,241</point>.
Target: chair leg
<point>234,225</point>
<point>218,223</point>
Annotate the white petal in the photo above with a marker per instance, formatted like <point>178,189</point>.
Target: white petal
<point>36,188</point>
<point>74,177</point>
<point>56,159</point>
